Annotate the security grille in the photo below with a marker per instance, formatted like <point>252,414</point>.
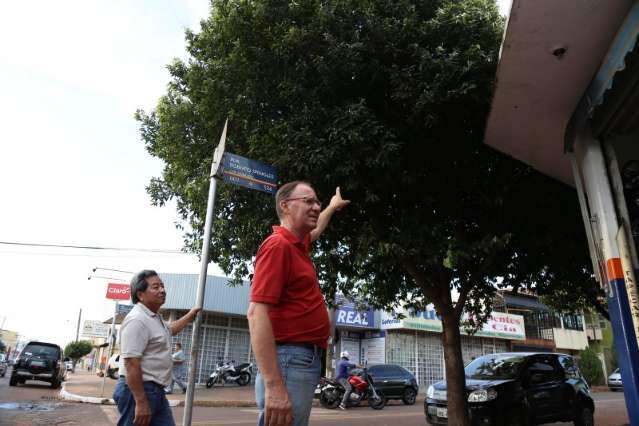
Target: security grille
<point>239,342</point>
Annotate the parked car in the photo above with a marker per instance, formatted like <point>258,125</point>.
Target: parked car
<point>68,365</point>
<point>394,382</point>
<point>4,364</point>
<point>614,381</point>
<point>518,389</point>
<point>113,367</point>
<point>39,361</point>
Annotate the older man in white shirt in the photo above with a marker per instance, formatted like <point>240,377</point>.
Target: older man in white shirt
<point>145,355</point>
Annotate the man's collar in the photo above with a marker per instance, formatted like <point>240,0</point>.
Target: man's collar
<point>290,237</point>
<point>146,310</point>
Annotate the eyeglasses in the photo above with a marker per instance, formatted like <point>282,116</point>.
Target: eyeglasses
<point>309,201</point>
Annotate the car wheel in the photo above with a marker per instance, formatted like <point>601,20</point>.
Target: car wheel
<point>584,417</point>
<point>13,381</point>
<point>410,396</point>
<point>55,384</point>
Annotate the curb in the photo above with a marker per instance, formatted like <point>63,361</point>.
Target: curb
<point>71,397</point>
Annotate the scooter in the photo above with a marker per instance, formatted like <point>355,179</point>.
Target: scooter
<point>228,372</point>
<point>363,389</point>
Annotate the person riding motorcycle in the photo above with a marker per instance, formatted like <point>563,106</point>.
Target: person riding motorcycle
<point>343,366</point>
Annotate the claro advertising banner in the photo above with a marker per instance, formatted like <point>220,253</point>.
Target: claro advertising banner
<point>118,291</point>
<point>500,325</point>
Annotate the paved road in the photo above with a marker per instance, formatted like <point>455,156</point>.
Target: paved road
<point>37,404</point>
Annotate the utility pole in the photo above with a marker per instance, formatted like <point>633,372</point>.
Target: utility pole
<point>77,330</point>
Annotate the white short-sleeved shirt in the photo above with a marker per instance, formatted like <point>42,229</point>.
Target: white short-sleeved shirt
<point>145,335</point>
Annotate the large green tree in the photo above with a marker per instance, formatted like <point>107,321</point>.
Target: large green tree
<point>387,99</point>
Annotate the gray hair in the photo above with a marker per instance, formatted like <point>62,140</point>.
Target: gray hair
<point>138,283</point>
<point>285,192</point>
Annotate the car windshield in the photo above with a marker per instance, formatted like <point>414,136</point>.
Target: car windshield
<point>495,367</point>
<point>41,350</point>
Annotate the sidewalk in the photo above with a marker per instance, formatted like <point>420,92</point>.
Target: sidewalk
<point>87,387</point>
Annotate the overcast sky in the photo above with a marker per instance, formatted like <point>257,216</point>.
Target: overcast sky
<point>73,169</point>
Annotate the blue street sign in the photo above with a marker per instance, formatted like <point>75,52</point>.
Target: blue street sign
<point>123,309</point>
<point>248,173</point>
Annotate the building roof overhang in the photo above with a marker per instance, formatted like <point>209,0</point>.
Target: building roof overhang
<point>550,53</point>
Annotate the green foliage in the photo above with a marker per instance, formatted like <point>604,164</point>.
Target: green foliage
<point>590,366</point>
<point>387,99</point>
<point>76,350</point>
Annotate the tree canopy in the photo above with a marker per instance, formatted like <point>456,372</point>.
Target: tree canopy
<point>76,350</point>
<point>387,99</point>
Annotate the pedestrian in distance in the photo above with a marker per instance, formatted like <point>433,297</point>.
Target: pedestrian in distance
<point>179,365</point>
<point>288,319</point>
<point>343,367</point>
<point>146,364</point>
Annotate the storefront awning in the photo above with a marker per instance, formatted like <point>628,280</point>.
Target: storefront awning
<point>550,52</point>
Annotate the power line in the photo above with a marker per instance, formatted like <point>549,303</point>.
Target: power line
<point>24,244</point>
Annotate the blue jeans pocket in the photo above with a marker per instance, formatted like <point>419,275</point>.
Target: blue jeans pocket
<point>303,360</point>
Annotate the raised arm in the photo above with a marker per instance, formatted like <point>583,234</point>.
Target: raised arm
<point>177,325</point>
<point>336,204</point>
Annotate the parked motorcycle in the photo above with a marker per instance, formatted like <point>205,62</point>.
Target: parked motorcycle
<point>363,389</point>
<point>228,372</point>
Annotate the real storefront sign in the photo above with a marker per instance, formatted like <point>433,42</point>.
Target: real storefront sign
<point>347,315</point>
<point>500,325</point>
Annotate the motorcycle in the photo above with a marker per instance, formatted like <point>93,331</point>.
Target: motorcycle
<point>228,372</point>
<point>363,388</point>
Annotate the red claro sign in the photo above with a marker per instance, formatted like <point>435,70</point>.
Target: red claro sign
<point>118,291</point>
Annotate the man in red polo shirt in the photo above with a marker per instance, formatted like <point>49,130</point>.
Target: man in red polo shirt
<point>287,316</point>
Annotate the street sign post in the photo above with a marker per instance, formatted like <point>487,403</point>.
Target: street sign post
<point>201,286</point>
<point>239,171</point>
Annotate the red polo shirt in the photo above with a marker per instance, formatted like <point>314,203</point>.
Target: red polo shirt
<point>285,278</point>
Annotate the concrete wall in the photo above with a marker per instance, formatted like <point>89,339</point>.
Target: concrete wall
<point>570,339</point>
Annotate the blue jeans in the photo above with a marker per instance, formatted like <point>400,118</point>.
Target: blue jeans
<point>161,414</point>
<point>300,368</point>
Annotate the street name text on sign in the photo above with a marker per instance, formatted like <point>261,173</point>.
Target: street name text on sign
<point>248,173</point>
<point>118,291</point>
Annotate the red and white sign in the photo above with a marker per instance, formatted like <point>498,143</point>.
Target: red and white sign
<point>118,291</point>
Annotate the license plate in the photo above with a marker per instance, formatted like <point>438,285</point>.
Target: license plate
<point>442,412</point>
<point>38,363</point>
<point>318,391</point>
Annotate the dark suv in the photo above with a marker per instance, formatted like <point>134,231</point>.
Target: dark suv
<point>395,382</point>
<point>519,389</point>
<point>39,361</point>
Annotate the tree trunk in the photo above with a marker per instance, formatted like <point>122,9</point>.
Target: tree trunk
<point>455,378</point>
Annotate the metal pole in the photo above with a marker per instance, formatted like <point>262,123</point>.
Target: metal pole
<point>201,286</point>
<point>77,330</point>
<point>106,365</point>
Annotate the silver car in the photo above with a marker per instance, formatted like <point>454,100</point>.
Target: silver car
<point>3,365</point>
<point>614,381</point>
